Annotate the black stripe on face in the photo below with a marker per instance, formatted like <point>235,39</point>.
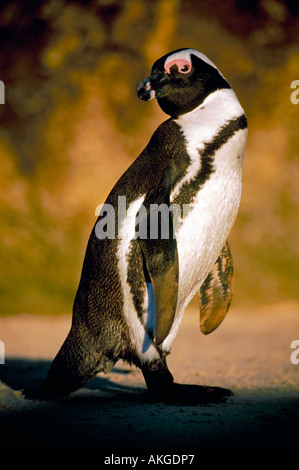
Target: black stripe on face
<point>189,189</point>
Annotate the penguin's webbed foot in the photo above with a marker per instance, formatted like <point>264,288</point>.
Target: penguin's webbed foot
<point>163,389</point>
<point>184,394</point>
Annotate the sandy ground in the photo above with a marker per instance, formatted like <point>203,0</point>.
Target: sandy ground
<point>249,353</point>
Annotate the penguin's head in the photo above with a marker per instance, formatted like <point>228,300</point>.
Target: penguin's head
<point>181,80</point>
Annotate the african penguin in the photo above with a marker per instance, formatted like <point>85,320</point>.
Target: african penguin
<point>134,289</point>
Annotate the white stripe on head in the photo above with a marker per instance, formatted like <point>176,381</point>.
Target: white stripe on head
<point>186,55</point>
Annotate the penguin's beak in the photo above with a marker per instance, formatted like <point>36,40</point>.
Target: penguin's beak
<point>153,87</point>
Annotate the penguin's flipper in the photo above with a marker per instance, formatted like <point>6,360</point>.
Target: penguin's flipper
<point>215,293</point>
<point>160,255</point>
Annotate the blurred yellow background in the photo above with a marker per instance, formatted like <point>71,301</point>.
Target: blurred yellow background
<point>72,123</point>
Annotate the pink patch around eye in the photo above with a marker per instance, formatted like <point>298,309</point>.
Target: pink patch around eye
<point>179,63</point>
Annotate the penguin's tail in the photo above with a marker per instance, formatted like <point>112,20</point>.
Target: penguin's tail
<point>72,367</point>
<point>59,383</point>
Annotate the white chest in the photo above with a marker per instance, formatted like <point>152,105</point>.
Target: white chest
<point>203,231</point>
<point>209,220</point>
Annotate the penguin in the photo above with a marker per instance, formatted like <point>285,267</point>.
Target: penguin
<point>136,284</point>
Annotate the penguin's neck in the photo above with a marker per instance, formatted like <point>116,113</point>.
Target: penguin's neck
<point>201,126</point>
<point>204,122</point>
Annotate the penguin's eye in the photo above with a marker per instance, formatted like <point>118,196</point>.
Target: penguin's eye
<point>182,65</point>
<point>185,68</point>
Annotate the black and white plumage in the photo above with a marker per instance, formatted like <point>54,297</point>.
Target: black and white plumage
<point>133,291</point>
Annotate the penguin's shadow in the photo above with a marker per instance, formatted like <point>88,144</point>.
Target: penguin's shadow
<point>28,374</point>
